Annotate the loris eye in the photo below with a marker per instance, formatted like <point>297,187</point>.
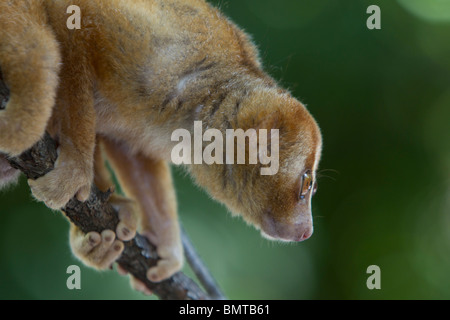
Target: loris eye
<point>307,185</point>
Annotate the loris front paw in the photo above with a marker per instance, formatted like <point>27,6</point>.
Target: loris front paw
<point>70,177</point>
<point>100,251</point>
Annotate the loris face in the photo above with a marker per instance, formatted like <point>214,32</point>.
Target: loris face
<point>278,205</point>
<point>283,208</point>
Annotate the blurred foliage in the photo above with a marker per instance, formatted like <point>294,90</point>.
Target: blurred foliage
<point>382,99</point>
<point>431,10</point>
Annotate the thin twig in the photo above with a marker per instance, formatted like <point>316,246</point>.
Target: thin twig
<point>200,269</point>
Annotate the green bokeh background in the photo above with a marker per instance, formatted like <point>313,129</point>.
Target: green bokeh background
<point>382,99</point>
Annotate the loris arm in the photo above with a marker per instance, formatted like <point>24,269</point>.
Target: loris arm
<point>29,61</point>
<point>73,123</point>
<point>149,183</point>
<point>101,250</point>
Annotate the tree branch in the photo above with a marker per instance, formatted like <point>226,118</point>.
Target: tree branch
<point>96,214</point>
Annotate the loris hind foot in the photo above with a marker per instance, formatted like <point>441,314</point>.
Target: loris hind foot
<point>100,251</point>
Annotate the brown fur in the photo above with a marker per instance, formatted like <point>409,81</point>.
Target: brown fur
<point>136,71</point>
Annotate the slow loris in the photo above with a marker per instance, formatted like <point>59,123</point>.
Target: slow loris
<point>136,71</point>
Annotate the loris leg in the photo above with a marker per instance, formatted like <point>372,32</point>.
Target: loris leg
<point>29,61</point>
<point>149,183</point>
<point>102,250</point>
<point>74,120</point>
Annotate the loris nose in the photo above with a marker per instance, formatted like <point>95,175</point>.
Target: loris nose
<point>296,232</point>
<point>308,233</point>
<point>300,233</point>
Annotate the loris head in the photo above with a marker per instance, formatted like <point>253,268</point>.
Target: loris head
<point>278,203</point>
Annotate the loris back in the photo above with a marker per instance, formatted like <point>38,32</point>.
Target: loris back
<point>156,61</point>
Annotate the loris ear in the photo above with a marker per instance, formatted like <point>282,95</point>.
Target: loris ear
<point>8,175</point>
